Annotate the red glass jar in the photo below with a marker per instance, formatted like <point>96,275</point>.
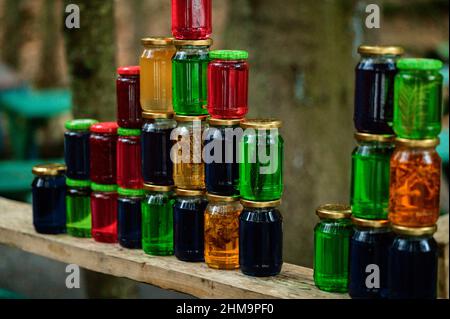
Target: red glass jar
<point>228,84</point>
<point>129,113</point>
<point>104,213</point>
<point>129,172</point>
<point>103,144</point>
<point>191,19</point>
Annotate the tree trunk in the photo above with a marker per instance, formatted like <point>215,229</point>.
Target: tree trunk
<point>13,19</point>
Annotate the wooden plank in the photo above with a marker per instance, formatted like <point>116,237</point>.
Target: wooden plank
<point>166,272</point>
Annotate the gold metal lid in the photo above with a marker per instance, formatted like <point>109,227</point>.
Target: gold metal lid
<point>334,211</point>
<point>372,223</point>
<point>380,50</point>
<point>186,118</point>
<point>414,231</point>
<point>189,192</point>
<point>417,143</point>
<point>160,41</point>
<point>218,198</point>
<point>219,122</point>
<point>49,169</point>
<point>252,204</point>
<point>156,115</point>
<point>261,123</point>
<point>365,137</point>
<point>158,188</point>
<point>205,42</point>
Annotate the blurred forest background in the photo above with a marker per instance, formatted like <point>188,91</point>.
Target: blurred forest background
<point>302,55</point>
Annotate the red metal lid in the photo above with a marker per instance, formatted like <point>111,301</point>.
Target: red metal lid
<point>129,70</point>
<point>105,127</point>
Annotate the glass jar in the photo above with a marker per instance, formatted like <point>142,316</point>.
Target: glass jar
<point>104,213</point>
<point>188,165</point>
<point>413,264</point>
<point>418,99</point>
<point>157,220</point>
<point>129,113</point>
<point>228,84</point>
<point>261,165</point>
<point>331,247</point>
<point>156,75</point>
<point>49,203</point>
<point>188,225</point>
<point>222,232</point>
<point>369,247</point>
<point>415,183</point>
<point>76,148</point>
<point>374,88</point>
<point>370,175</point>
<point>129,217</point>
<point>129,164</point>
<point>261,238</point>
<point>191,19</point>
<point>190,77</point>
<point>103,145</point>
<point>222,169</point>
<point>157,166</point>
<point>78,205</point>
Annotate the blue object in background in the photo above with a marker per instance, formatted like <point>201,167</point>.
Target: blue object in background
<point>442,149</point>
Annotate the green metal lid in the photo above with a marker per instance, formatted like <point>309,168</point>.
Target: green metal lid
<point>228,54</point>
<point>103,188</point>
<point>420,64</point>
<point>130,192</point>
<point>128,132</point>
<point>77,183</point>
<point>80,124</point>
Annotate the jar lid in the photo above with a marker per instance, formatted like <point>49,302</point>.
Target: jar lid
<point>128,131</point>
<point>433,142</point>
<point>104,188</point>
<point>414,231</point>
<point>54,169</point>
<point>218,198</point>
<point>261,123</point>
<point>370,223</point>
<point>129,70</point>
<point>220,122</point>
<point>366,137</point>
<point>186,118</point>
<point>156,115</point>
<point>160,41</point>
<point>252,204</point>
<point>334,211</point>
<point>130,192</point>
<point>157,188</point>
<point>77,183</point>
<point>229,54</point>
<point>105,128</point>
<point>80,124</point>
<point>189,192</point>
<point>380,50</point>
<point>205,42</point>
<point>420,64</point>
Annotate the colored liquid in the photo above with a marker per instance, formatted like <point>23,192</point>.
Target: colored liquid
<point>129,114</point>
<point>228,89</point>
<point>78,203</point>
<point>190,68</point>
<point>331,255</point>
<point>413,264</point>
<point>103,158</point>
<point>191,19</point>
<point>370,180</point>
<point>49,204</point>
<point>415,187</point>
<point>76,154</point>
<point>129,222</point>
<point>129,171</point>
<point>260,242</point>
<point>104,217</point>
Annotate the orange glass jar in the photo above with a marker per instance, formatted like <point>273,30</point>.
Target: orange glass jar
<point>415,183</point>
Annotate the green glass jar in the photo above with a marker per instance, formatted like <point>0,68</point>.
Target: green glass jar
<point>261,160</point>
<point>157,220</point>
<point>78,208</point>
<point>418,98</point>
<point>331,247</point>
<point>190,77</point>
<point>370,175</point>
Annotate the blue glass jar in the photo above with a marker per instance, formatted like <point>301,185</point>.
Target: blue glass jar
<point>188,223</point>
<point>76,148</point>
<point>369,248</point>
<point>49,198</point>
<point>413,263</point>
<point>260,238</point>
<point>129,217</point>
<point>222,170</point>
